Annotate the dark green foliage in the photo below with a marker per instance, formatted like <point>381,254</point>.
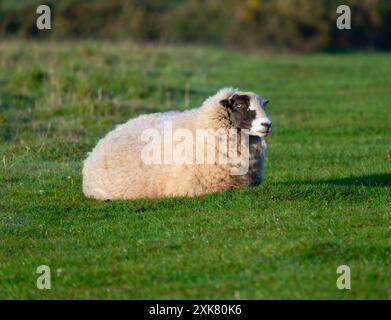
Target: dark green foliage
<point>302,25</point>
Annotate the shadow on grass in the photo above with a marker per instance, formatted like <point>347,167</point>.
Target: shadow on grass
<point>226,200</point>
<point>374,180</point>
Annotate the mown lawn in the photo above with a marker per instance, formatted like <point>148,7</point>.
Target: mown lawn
<point>325,201</point>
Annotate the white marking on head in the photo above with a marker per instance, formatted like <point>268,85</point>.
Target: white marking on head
<point>261,125</point>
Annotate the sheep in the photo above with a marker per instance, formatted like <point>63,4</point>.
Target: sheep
<point>119,168</point>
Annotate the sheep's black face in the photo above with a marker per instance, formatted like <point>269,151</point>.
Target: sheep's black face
<point>239,111</point>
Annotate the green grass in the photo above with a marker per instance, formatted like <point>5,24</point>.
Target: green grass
<point>325,200</point>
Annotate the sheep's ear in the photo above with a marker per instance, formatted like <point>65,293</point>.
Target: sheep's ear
<point>226,103</point>
<point>265,103</point>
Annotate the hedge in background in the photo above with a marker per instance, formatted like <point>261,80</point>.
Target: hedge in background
<point>302,25</point>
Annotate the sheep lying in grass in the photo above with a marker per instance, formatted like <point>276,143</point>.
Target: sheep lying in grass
<point>164,154</point>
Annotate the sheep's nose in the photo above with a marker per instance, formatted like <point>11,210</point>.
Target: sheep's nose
<point>266,124</point>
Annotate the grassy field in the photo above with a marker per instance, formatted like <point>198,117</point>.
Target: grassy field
<point>325,201</point>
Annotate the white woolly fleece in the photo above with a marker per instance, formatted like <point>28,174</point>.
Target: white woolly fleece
<point>115,169</point>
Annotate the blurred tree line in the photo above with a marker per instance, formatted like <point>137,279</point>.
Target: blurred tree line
<point>302,25</point>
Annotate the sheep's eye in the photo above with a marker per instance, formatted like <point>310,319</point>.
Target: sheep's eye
<point>241,105</point>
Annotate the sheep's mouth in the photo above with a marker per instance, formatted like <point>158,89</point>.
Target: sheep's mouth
<point>260,133</point>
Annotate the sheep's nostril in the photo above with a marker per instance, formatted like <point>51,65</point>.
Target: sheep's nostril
<point>266,124</point>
